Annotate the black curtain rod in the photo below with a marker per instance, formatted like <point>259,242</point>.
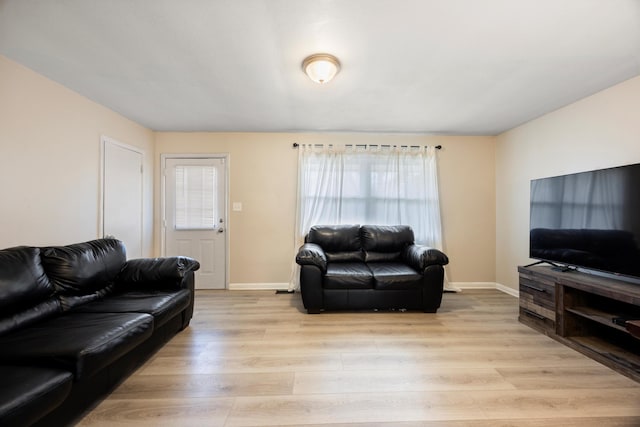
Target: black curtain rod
<point>438,147</point>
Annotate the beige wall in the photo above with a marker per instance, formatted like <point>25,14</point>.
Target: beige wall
<point>50,160</point>
<point>597,132</point>
<point>467,192</point>
<point>263,174</point>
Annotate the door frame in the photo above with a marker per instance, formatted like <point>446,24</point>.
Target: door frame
<point>163,207</point>
<point>104,140</point>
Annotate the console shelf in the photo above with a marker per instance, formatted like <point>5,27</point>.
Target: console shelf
<point>596,315</point>
<point>585,312</point>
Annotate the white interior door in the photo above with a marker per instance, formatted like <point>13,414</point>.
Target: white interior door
<point>195,210</point>
<point>122,189</point>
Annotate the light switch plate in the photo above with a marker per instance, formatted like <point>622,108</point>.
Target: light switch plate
<point>237,206</point>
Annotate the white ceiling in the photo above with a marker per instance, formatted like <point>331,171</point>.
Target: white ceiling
<point>419,66</point>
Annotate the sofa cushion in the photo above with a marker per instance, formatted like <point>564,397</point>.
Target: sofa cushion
<point>394,275</point>
<point>162,305</point>
<point>348,275</point>
<point>26,294</point>
<point>353,256</point>
<point>30,392</point>
<point>382,256</point>
<point>386,238</point>
<point>30,315</point>
<point>82,343</point>
<point>335,238</point>
<point>83,268</point>
<point>23,282</point>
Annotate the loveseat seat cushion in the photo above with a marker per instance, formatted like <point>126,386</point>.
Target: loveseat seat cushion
<point>348,275</point>
<point>83,268</point>
<point>82,343</point>
<point>341,243</point>
<point>394,276</point>
<point>30,392</point>
<point>162,305</point>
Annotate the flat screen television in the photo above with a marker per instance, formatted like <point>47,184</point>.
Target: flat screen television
<point>588,221</point>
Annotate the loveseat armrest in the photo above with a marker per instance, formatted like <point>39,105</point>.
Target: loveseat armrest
<point>420,257</point>
<point>157,273</point>
<point>312,254</point>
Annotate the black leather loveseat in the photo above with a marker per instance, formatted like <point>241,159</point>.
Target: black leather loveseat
<point>75,320</point>
<point>352,267</point>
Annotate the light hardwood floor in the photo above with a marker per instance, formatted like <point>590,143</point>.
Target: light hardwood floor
<point>254,358</point>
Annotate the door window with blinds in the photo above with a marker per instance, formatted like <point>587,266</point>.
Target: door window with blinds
<point>195,202</point>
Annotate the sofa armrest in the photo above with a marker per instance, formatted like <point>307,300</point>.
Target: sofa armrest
<point>147,273</point>
<point>312,254</point>
<point>420,257</point>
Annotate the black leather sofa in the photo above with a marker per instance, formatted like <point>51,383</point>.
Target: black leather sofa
<point>76,320</point>
<point>352,267</point>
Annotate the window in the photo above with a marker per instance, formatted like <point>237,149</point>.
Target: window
<point>390,186</point>
<point>195,202</point>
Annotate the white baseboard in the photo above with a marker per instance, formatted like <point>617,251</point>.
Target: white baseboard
<point>257,286</point>
<point>508,290</point>
<point>473,285</point>
<point>485,285</point>
<point>452,285</point>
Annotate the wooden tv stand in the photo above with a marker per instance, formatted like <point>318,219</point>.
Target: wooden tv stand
<point>586,312</point>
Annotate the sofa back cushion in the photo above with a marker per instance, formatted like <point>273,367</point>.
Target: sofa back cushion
<point>385,242</point>
<point>26,293</point>
<point>84,268</point>
<point>341,243</point>
<point>23,282</point>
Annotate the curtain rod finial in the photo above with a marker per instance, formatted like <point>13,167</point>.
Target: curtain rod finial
<point>438,147</point>
<point>296,145</point>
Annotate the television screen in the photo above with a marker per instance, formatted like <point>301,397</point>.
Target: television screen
<point>589,220</point>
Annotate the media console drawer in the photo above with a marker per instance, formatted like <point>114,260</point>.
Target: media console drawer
<point>537,301</point>
<point>539,292</point>
<point>536,320</point>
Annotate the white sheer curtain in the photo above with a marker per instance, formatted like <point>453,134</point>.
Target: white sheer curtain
<point>383,185</point>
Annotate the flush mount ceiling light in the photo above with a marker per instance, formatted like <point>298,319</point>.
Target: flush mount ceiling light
<point>321,67</point>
